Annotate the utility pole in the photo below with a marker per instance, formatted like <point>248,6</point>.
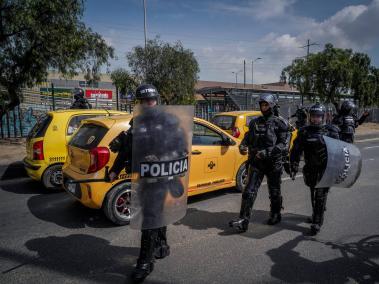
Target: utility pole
<point>307,46</point>
<point>144,21</point>
<point>244,73</point>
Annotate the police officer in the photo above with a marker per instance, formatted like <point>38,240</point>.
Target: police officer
<point>310,141</point>
<point>347,121</point>
<point>153,241</point>
<point>301,116</point>
<point>265,141</point>
<point>80,102</point>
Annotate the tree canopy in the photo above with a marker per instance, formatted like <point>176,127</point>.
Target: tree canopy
<point>123,80</point>
<point>36,35</point>
<point>334,73</point>
<point>171,68</point>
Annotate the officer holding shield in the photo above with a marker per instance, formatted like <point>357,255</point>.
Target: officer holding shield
<point>265,142</point>
<point>155,148</point>
<point>310,141</point>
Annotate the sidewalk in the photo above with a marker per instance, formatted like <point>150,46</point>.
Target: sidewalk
<point>11,155</point>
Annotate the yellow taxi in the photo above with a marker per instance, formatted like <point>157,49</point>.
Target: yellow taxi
<point>216,163</point>
<point>46,149</point>
<point>236,123</point>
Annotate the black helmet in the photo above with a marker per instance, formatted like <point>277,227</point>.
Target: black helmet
<point>78,93</point>
<point>268,98</point>
<point>347,108</point>
<point>317,110</point>
<point>146,91</point>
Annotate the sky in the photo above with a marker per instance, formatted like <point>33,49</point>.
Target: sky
<point>222,34</point>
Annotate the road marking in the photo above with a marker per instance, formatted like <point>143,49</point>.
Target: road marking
<point>367,140</point>
<point>370,147</point>
<point>369,160</point>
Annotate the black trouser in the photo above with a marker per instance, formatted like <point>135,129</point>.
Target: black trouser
<point>347,137</point>
<point>318,195</point>
<point>254,181</point>
<point>151,239</point>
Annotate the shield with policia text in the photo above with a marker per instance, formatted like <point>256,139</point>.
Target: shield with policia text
<point>343,165</point>
<point>162,138</point>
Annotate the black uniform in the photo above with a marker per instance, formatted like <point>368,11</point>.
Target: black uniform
<point>347,121</point>
<point>301,117</point>
<point>267,137</point>
<point>310,141</point>
<point>80,102</point>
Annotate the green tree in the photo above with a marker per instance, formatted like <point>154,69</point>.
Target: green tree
<point>171,68</point>
<point>123,81</point>
<point>36,35</point>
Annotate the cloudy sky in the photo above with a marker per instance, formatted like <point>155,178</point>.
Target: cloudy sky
<point>223,33</point>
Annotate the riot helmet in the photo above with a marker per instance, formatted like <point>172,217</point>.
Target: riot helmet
<point>147,92</point>
<point>317,115</point>
<point>269,99</point>
<point>347,108</point>
<point>78,93</point>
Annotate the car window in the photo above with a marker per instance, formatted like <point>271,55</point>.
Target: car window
<point>88,136</point>
<point>203,135</point>
<point>225,122</point>
<point>39,129</point>
<point>75,122</point>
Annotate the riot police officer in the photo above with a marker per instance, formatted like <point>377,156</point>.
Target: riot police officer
<point>153,241</point>
<point>301,116</point>
<point>310,141</point>
<point>347,121</point>
<point>80,102</point>
<point>265,142</point>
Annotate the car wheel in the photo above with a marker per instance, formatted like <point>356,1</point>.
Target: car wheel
<point>117,204</point>
<point>52,178</point>
<point>241,178</point>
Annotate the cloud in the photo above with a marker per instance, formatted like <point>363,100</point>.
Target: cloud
<point>261,9</point>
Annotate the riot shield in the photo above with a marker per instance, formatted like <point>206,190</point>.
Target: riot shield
<point>162,140</point>
<point>343,165</point>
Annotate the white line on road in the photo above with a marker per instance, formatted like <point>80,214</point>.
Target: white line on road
<point>370,147</point>
<point>367,140</point>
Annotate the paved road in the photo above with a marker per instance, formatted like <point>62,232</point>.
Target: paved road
<point>48,237</point>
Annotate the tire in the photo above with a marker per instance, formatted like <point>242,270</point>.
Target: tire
<point>241,178</point>
<point>52,178</point>
<point>116,205</point>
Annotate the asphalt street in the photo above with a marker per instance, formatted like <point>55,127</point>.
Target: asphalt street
<point>47,237</point>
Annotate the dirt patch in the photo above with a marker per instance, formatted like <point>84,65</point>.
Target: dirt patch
<point>10,152</point>
<point>368,128</point>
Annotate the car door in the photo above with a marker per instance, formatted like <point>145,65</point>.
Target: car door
<point>212,163</point>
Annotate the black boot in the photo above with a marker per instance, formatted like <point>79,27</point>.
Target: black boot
<point>145,262</point>
<point>162,249</point>
<point>276,207</point>
<point>319,209</point>
<point>247,203</point>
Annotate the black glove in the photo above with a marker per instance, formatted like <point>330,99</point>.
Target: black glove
<point>287,168</point>
<point>294,170</point>
<point>243,149</point>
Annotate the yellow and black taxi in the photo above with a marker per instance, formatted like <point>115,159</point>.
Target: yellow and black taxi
<point>46,149</point>
<point>216,163</point>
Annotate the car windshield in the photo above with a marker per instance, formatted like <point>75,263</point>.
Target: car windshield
<point>88,136</point>
<point>225,122</point>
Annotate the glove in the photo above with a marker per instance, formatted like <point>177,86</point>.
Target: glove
<point>261,154</point>
<point>243,149</point>
<point>287,168</point>
<point>294,170</point>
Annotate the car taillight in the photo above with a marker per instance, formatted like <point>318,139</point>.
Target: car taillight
<point>38,150</point>
<point>236,132</point>
<point>99,158</point>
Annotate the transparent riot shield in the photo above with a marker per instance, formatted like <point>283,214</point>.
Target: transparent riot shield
<point>162,140</point>
<point>343,165</point>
